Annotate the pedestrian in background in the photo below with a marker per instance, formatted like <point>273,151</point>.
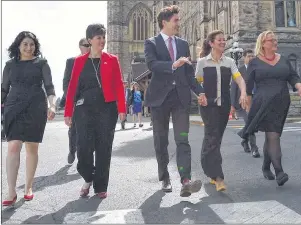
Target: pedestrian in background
<point>137,99</point>
<point>236,108</point>
<point>84,48</point>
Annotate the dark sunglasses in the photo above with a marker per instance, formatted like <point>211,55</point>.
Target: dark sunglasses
<point>85,45</point>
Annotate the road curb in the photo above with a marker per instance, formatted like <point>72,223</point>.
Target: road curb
<point>288,120</point>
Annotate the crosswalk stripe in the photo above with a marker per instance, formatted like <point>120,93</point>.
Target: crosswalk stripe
<point>238,212</point>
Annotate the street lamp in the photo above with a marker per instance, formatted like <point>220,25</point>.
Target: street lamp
<point>236,52</point>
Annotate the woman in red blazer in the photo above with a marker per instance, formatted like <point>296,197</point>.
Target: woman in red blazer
<point>95,96</point>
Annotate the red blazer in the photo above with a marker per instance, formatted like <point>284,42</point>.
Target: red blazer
<point>111,78</point>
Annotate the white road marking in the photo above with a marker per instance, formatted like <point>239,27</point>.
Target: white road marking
<point>256,212</point>
<point>241,212</point>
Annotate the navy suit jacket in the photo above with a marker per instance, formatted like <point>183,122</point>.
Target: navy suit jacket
<point>160,64</point>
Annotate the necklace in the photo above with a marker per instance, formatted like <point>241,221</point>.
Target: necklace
<point>271,59</point>
<point>96,71</point>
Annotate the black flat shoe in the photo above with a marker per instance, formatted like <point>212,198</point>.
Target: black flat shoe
<point>246,147</point>
<point>255,153</point>
<point>166,186</point>
<point>281,178</point>
<point>268,174</point>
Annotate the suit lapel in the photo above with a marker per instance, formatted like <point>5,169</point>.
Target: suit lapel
<point>178,48</point>
<point>161,44</point>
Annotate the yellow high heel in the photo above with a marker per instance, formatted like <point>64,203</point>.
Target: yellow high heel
<point>220,186</point>
<point>212,181</point>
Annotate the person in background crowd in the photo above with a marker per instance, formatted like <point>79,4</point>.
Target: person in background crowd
<point>236,107</point>
<point>127,93</point>
<point>84,48</point>
<point>25,110</point>
<point>215,70</point>
<point>95,96</point>
<point>137,99</point>
<point>269,72</point>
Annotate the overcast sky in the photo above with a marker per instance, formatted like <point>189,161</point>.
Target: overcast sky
<point>59,25</point>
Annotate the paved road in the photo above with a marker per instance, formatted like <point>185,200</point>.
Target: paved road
<point>134,195</point>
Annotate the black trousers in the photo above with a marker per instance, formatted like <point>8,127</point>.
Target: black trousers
<point>180,118</point>
<point>95,129</point>
<point>252,138</point>
<point>72,137</point>
<point>215,120</point>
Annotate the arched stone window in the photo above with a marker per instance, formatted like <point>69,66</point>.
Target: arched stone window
<point>141,20</point>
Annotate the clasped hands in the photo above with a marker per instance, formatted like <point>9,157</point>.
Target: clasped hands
<point>181,61</point>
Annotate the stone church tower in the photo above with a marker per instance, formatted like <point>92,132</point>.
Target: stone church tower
<point>129,24</point>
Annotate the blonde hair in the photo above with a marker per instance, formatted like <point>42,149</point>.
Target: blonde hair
<point>258,48</point>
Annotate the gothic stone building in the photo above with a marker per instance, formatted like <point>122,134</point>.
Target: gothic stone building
<point>131,22</point>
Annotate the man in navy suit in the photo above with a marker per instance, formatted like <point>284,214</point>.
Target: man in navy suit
<point>84,47</point>
<point>236,107</point>
<point>169,93</point>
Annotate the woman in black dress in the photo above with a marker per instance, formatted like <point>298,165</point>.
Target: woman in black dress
<point>270,72</point>
<point>25,109</point>
<point>215,71</point>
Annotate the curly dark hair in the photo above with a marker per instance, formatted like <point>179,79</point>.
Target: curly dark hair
<point>13,50</point>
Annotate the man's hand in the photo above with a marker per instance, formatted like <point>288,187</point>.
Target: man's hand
<point>202,100</point>
<point>68,121</point>
<point>51,113</point>
<point>122,116</point>
<point>181,61</point>
<point>243,101</point>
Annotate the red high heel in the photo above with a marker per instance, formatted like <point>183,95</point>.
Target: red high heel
<point>102,195</point>
<point>9,202</point>
<point>85,191</point>
<point>28,197</point>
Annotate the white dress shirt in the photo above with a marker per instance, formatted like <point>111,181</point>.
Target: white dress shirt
<point>174,46</point>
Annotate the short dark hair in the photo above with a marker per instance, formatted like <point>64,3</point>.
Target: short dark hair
<point>95,29</point>
<point>13,50</point>
<point>247,51</point>
<point>166,13</point>
<point>81,41</point>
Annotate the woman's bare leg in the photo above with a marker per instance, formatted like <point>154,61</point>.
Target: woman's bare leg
<point>12,166</point>
<point>31,165</point>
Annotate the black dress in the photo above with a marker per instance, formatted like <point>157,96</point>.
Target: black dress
<point>25,110</point>
<point>271,101</point>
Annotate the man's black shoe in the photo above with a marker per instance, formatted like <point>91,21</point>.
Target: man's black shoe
<point>166,186</point>
<point>71,157</point>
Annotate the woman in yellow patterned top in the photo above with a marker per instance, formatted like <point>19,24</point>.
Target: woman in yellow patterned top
<point>214,70</point>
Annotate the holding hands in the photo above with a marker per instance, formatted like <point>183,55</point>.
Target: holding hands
<point>202,100</point>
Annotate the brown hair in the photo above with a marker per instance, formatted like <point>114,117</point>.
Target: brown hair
<point>206,48</point>
<point>166,13</point>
